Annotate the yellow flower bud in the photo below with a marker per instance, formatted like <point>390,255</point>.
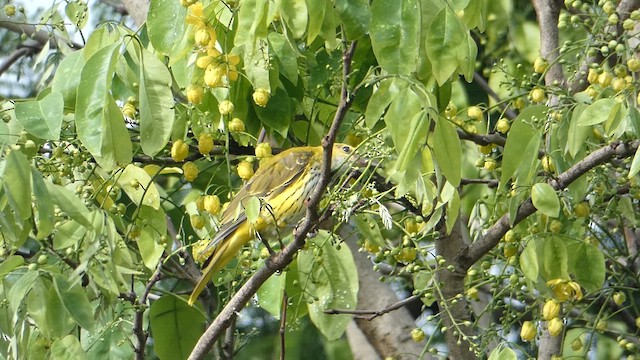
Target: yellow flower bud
<point>204,61</point>
<point>200,203</point>
<point>551,309</point>
<point>9,10</point>
<point>225,107</point>
<point>582,209</point>
<point>407,255</point>
<point>129,110</point>
<point>485,149</point>
<point>190,171</point>
<point>212,204</point>
<point>263,150</point>
<point>510,236</point>
<point>540,65</point>
<point>555,226</point>
<point>245,170</point>
<point>633,64</point>
<point>205,143</point>
<point>236,125</point>
<point>537,95</point>
<point>555,326</point>
<point>417,335</point>
<point>179,150</point>
<point>197,221</point>
<point>474,113</point>
<point>528,331</point>
<point>213,76</point>
<point>592,76</point>
<point>195,93</point>
<point>372,248</point>
<point>202,37</point>
<point>605,79</point>
<point>261,97</point>
<point>503,126</point>
<point>619,298</point>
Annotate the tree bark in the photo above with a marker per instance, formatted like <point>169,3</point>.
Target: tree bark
<point>390,334</point>
<point>455,310</point>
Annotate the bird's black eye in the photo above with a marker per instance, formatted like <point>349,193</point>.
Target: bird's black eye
<point>346,148</point>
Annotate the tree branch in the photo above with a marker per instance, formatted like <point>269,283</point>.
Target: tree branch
<point>15,56</point>
<point>374,313</point>
<point>138,330</point>
<point>472,253</point>
<point>280,260</point>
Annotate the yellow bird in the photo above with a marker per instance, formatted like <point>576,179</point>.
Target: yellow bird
<point>283,183</point>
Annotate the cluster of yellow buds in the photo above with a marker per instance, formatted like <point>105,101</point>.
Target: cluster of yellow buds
<point>217,66</point>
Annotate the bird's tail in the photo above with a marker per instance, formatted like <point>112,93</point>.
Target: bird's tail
<point>222,255</point>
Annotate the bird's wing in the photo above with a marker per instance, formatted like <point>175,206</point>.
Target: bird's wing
<point>270,180</point>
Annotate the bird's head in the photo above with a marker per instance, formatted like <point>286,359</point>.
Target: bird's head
<point>341,154</point>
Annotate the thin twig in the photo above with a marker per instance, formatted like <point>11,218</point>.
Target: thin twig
<point>15,56</point>
<point>509,112</point>
<point>360,314</point>
<point>138,330</point>
<point>283,324</point>
<point>229,340</point>
<point>279,261</point>
<point>492,183</point>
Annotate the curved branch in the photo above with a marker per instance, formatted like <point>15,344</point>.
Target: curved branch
<point>280,260</point>
<point>15,56</point>
<point>472,253</point>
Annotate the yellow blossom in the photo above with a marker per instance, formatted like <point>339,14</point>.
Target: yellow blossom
<point>564,290</point>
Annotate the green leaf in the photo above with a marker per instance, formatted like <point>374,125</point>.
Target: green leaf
<point>294,14</point>
<point>44,205</point>
<point>156,104</point>
<point>554,257</point>
<point>355,17</point>
<point>9,264</point>
<point>398,118</point>
<point>75,301</point>
<point>467,53</point>
<point>287,56</point>
<point>277,114</point>
<point>99,122</point>
<point>545,199</point>
<point>447,150</point>
<point>597,113</point>
<point>634,119</point>
<point>453,211</point>
<point>166,25</point>
<point>529,261</point>
<point>381,98</point>
<point>78,13</point>
<point>21,288</point>
<point>635,164</point>
<point>420,124</point>
<point>527,170</point>
<point>69,203</point>
<point>329,25</point>
<point>42,118</point>
<point>503,352</point>
<point>394,31</point>
<point>139,187</point>
<point>17,184</point>
<point>252,209</point>
<point>252,23</point>
<point>68,234</point>
<point>518,138</point>
<point>176,327</point>
<point>587,264</point>
<point>271,293</point>
<point>317,8</point>
<point>445,36</point>
<point>577,135</point>
<point>334,281</point>
<point>155,226</point>
<point>67,348</point>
